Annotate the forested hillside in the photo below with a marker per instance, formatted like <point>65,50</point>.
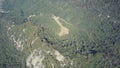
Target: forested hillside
<point>60,33</point>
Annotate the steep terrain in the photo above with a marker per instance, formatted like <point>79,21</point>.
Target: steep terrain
<point>59,33</point>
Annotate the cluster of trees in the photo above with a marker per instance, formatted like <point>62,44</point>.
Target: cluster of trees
<point>9,56</point>
<point>105,39</point>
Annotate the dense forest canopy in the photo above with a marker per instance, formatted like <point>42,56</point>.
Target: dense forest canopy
<point>60,33</point>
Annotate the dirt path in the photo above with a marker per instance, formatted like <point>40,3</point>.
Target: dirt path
<point>65,21</point>
<point>64,30</point>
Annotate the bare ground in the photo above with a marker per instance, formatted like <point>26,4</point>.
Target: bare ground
<point>63,29</point>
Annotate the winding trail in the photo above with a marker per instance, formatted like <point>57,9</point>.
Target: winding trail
<point>64,30</point>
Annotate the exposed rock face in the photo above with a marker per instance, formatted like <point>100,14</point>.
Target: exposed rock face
<point>35,59</point>
<point>59,57</point>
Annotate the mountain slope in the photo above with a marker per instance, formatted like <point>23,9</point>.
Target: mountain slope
<point>61,33</point>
